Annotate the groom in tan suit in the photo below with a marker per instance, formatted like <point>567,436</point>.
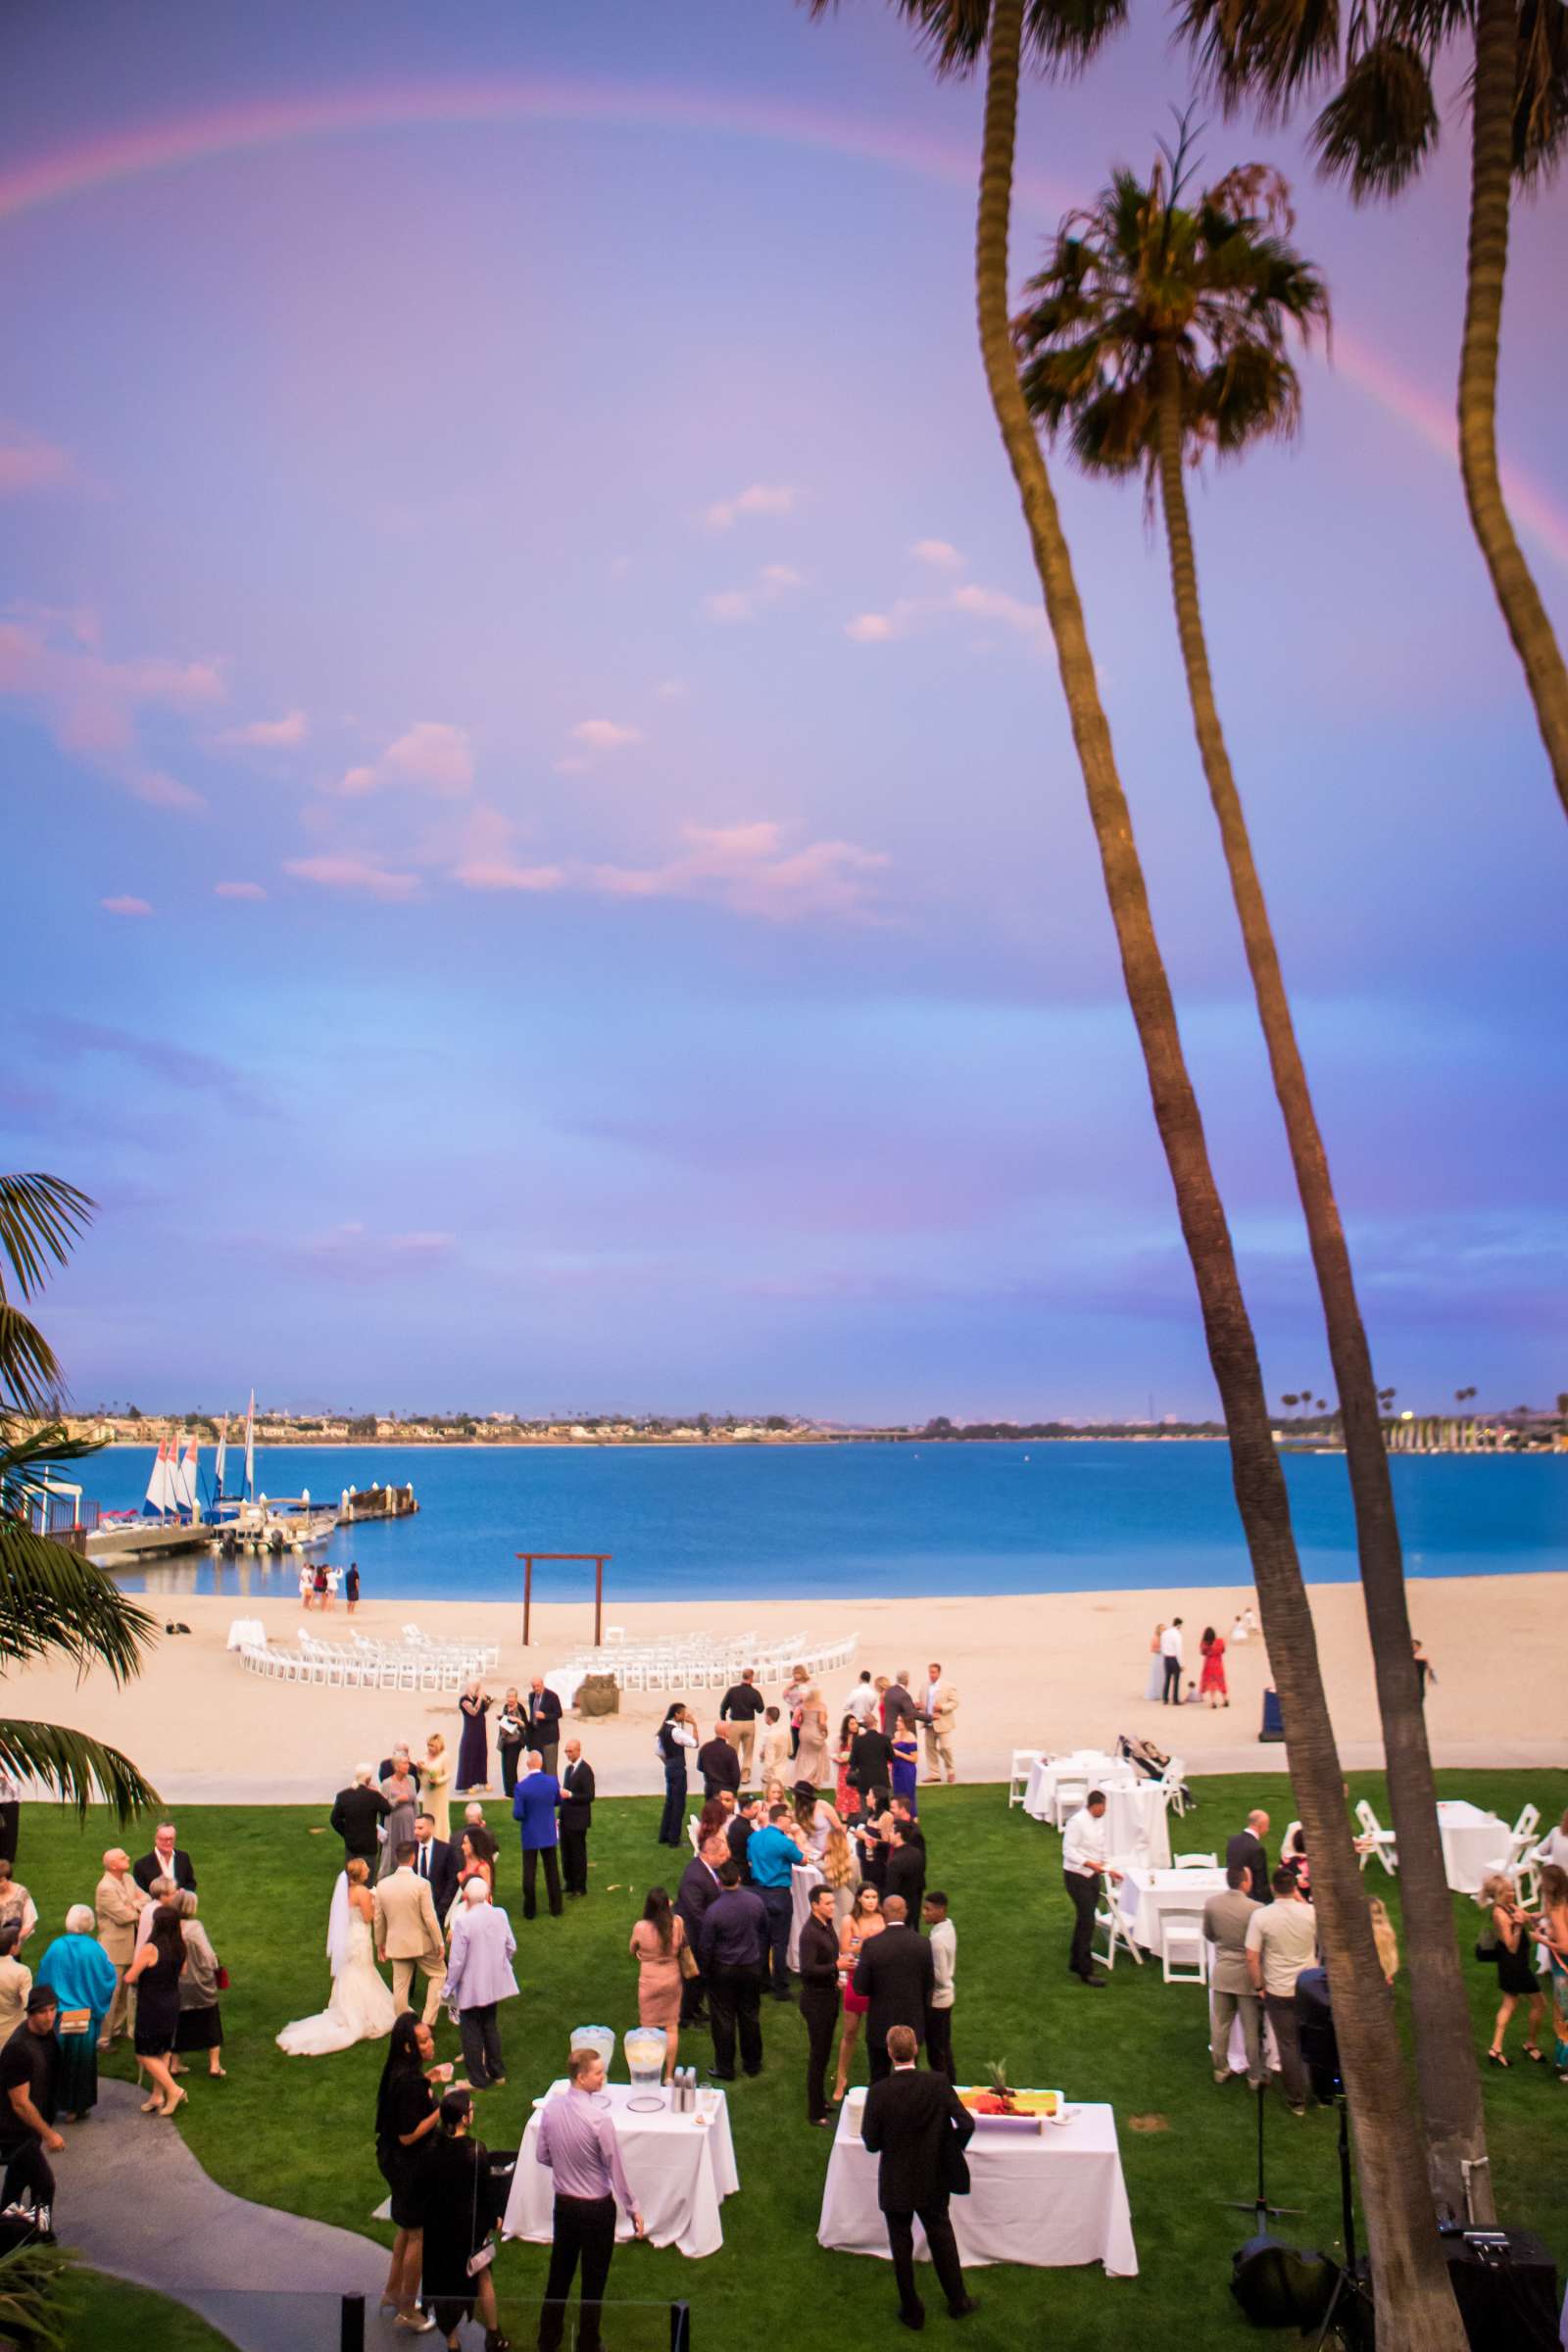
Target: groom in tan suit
<point>938,1713</point>
<point>408,1934</point>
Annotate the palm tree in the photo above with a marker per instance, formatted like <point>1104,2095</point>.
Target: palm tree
<point>1375,131</point>
<point>51,1602</point>
<point>1415,2302</point>
<point>1156,334</point>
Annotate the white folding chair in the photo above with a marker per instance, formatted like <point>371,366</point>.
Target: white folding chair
<point>1024,1761</point>
<point>1114,1927</point>
<point>1183,1948</point>
<point>1195,1862</point>
<point>1171,1779</point>
<point>1068,1795</point>
<point>1378,1840</point>
<point>1528,1823</point>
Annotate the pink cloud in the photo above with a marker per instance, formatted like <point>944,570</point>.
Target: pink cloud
<point>91,704</point>
<point>269,734</point>
<point>760,498</point>
<point>746,869</point>
<point>907,613</point>
<point>773,582</point>
<point>364,876</point>
<point>499,874</point>
<point>163,791</point>
<point>238,890</point>
<point>28,462</point>
<point>125,905</point>
<point>432,757</point>
<point>484,855</point>
<point>939,554</point>
<point>604,734</point>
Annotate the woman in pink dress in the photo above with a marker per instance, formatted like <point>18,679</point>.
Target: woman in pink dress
<point>1211,1688</point>
<point>656,1946</point>
<point>863,1921</point>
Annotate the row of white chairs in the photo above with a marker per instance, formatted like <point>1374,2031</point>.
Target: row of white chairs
<point>469,1659</point>
<point>690,1667</point>
<point>485,1653</point>
<point>410,1673</point>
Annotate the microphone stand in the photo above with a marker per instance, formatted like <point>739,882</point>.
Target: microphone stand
<point>1259,2207</point>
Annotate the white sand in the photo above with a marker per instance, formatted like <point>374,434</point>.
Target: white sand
<point>1056,1670</point>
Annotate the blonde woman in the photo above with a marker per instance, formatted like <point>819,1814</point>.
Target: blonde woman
<point>840,1871</point>
<point>1157,1664</point>
<point>435,1776</point>
<point>1517,1979</point>
<point>811,1757</point>
<point>863,1921</point>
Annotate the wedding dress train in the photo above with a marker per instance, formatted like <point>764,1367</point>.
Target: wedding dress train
<point>361,2008</point>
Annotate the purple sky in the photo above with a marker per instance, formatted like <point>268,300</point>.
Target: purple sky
<point>552,872</point>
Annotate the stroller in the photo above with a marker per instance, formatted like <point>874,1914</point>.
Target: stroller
<point>1151,1763</point>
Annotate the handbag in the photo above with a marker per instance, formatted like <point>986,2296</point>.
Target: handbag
<point>222,1977</point>
<point>686,1959</point>
<point>484,2253</point>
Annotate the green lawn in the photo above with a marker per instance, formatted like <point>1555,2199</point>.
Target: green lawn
<point>106,2311</point>
<point>298,2134</point>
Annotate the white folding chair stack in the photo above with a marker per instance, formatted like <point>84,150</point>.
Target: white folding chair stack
<point>1183,1947</point>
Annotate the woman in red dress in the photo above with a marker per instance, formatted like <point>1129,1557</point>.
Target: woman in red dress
<point>1212,1683</point>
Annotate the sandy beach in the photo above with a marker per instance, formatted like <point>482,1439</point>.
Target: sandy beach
<point>1055,1670</point>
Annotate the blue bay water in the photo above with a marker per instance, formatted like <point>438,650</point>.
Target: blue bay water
<point>809,1522</point>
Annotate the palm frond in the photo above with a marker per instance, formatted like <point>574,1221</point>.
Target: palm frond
<point>40,1216</point>
<point>35,2306</point>
<point>26,1458</point>
<point>53,1602</point>
<point>1541,106</point>
<point>1270,54</point>
<point>30,1378</point>
<point>1058,36</point>
<point>82,1770</point>
<point>1381,124</point>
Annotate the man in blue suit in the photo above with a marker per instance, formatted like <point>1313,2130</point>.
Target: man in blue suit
<point>533,1808</point>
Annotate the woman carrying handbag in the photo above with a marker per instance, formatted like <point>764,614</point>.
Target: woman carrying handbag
<point>459,2281</point>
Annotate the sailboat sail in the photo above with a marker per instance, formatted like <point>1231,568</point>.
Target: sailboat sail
<point>182,1480</point>
<point>219,1459</point>
<point>250,1448</point>
<point>158,1497</point>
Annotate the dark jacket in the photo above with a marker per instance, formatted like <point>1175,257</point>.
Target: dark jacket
<point>820,1957</point>
<point>1246,1850</point>
<point>897,1974</point>
<point>357,1814</point>
<point>697,1888</point>
<point>577,1795</point>
<point>898,1707</point>
<point>734,1930</point>
<point>907,1877</point>
<point>541,1715</point>
<point>916,2123</point>
<point>738,1837</point>
<point>151,1867</point>
<point>719,1766</point>
<point>442,1875</point>
<point>870,1763</point>
<point>742,1703</point>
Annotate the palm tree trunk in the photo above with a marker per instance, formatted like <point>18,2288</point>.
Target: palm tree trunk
<point>1416,2307</point>
<point>1490,187</point>
<point>1446,2065</point>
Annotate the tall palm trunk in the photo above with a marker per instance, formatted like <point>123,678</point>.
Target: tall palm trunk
<point>1416,2307</point>
<point>1490,187</point>
<point>1445,2066</point>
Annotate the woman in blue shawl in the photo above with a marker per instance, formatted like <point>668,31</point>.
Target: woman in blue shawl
<point>83,1980</point>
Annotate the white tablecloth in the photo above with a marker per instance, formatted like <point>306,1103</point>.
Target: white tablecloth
<point>246,1633</point>
<point>1473,1843</point>
<point>1098,1771</point>
<point>680,2168</point>
<point>803,1878</point>
<point>1144,1894</point>
<point>1048,2200</point>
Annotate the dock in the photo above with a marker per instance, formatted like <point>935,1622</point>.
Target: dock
<point>376,1502</point>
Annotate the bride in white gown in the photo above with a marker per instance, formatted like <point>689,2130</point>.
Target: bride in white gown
<point>361,2008</point>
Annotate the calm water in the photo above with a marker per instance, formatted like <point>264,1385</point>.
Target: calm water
<point>808,1522</point>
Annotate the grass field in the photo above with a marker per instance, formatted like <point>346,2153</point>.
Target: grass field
<point>298,2132</point>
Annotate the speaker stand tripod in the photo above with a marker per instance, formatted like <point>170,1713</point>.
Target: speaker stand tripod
<point>1350,2312</point>
<point>1258,2207</point>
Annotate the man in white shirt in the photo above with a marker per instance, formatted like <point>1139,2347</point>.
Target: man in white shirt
<point>1171,1650</point>
<point>862,1701</point>
<point>1282,1941</point>
<point>1083,1867</point>
<point>944,1940</point>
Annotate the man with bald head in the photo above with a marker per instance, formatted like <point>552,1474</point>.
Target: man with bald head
<point>1247,1850</point>
<point>118,1904</point>
<point>897,1974</point>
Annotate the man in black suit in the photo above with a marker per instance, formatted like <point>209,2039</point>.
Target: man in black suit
<point>167,1860</point>
<point>870,1764</point>
<point>699,1886</point>
<point>358,1812</point>
<point>1246,1850</point>
<point>719,1766</point>
<point>907,1867</point>
<point>436,1863</point>
<point>918,2127</point>
<point>897,1974</point>
<point>542,1722</point>
<point>820,1998</point>
<point>576,1818</point>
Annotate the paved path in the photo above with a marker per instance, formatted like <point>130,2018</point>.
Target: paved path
<point>134,2201</point>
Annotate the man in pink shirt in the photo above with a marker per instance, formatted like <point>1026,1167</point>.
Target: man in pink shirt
<point>578,2141</point>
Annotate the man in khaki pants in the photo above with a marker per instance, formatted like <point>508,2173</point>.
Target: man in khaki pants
<point>937,1712</point>
<point>119,1904</point>
<point>408,1934</point>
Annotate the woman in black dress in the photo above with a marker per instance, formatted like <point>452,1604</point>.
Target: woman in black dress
<point>459,2215</point>
<point>405,2119</point>
<point>155,1972</point>
<point>1515,1956</point>
<point>473,1767</point>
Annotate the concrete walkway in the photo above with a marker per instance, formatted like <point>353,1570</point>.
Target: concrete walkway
<point>134,2201</point>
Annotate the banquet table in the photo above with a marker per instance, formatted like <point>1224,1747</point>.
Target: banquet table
<point>680,2168</point>
<point>1474,1843</point>
<point>1099,1771</point>
<point>1144,1895</point>
<point>803,1879</point>
<point>1048,2199</point>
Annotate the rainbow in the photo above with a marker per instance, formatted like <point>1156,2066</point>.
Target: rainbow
<point>261,124</point>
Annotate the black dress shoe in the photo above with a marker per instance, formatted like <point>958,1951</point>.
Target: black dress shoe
<point>913,2319</point>
<point>962,2311</point>
<point>1094,1984</point>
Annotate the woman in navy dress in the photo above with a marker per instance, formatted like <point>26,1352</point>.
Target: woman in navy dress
<point>907,1768</point>
<point>473,1761</point>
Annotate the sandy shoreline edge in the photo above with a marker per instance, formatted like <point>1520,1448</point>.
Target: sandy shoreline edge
<point>1055,1670</point>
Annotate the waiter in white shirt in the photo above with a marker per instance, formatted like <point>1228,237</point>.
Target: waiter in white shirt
<point>862,1701</point>
<point>1170,1649</point>
<point>1083,1866</point>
